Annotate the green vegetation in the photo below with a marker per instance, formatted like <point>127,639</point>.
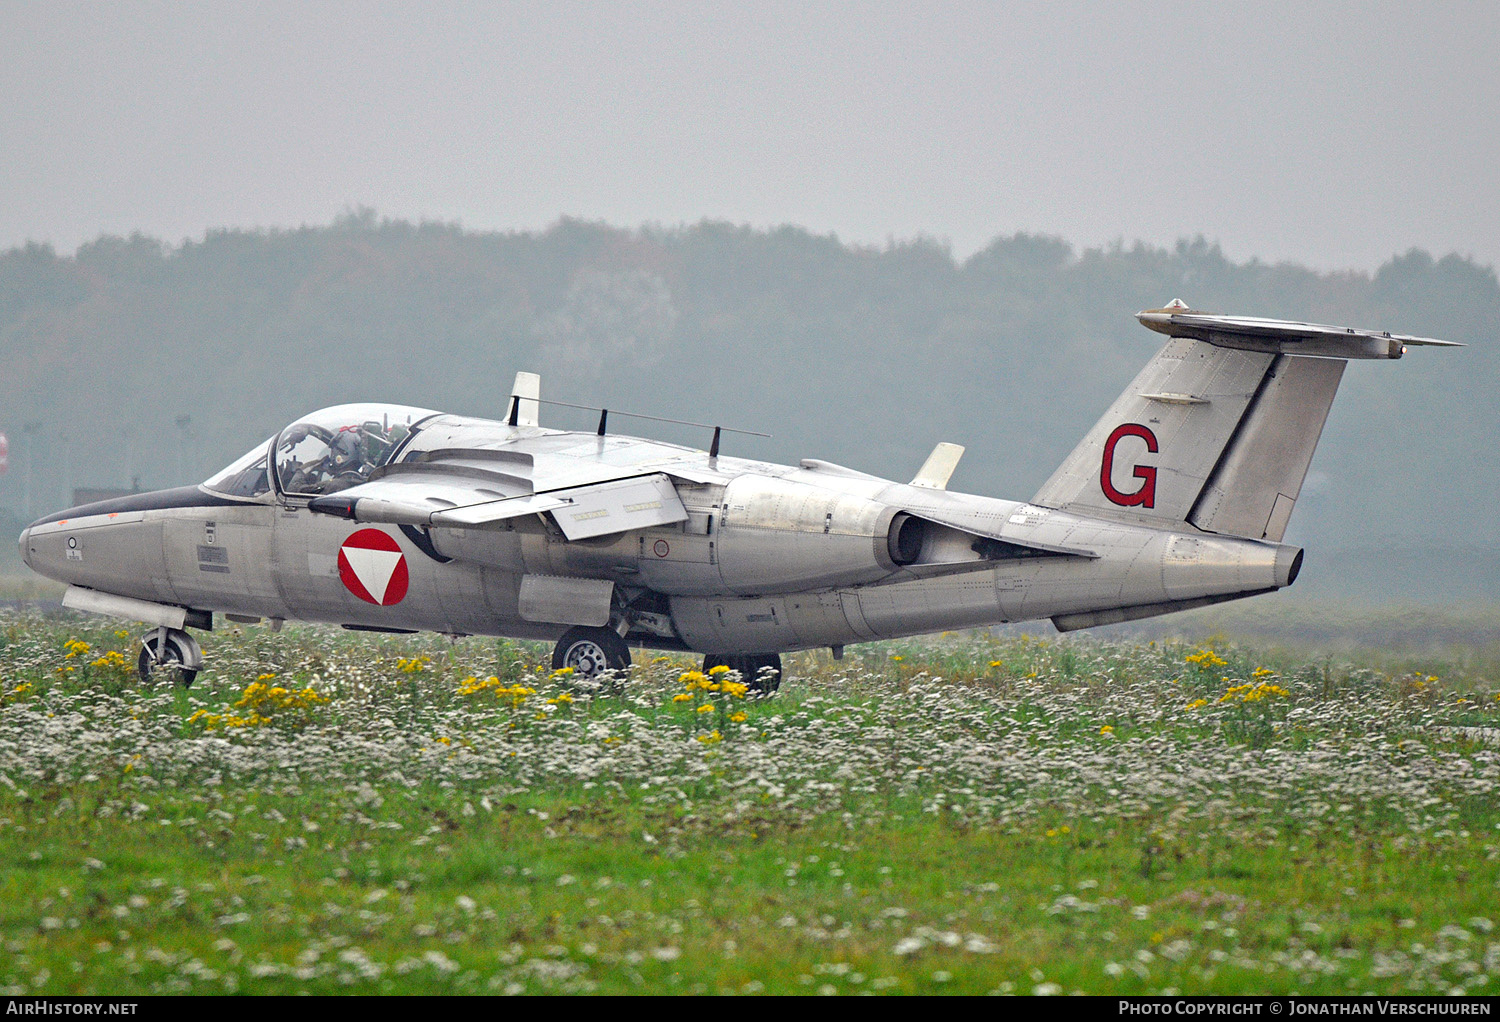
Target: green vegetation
<point>328,812</point>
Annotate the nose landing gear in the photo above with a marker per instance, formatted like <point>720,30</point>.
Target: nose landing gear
<point>170,652</point>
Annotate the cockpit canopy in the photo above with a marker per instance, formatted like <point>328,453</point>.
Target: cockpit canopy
<point>246,476</point>
<point>327,451</point>
<point>339,447</point>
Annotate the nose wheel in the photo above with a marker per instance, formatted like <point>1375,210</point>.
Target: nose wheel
<point>169,653</point>
<point>761,673</point>
<point>591,651</point>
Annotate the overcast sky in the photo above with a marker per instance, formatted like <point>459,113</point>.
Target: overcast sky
<point>1331,135</point>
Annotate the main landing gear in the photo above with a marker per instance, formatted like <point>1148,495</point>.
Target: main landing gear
<point>170,653</point>
<point>591,651</point>
<point>762,673</point>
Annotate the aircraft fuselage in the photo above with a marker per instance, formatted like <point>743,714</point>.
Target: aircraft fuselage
<point>771,558</point>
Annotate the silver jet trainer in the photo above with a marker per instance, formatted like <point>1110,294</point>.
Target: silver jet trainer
<point>391,518</point>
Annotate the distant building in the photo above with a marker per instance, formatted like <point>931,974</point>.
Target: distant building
<point>94,494</point>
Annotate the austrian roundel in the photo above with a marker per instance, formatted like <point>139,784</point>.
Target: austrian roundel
<point>373,568</point>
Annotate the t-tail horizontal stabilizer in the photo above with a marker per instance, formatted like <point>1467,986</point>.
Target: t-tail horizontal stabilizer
<point>1281,336</point>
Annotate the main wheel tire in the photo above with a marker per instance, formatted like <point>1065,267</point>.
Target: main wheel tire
<point>765,673</point>
<point>591,651</point>
<point>164,662</point>
<point>751,669</point>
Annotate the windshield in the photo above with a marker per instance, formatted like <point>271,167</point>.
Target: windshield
<point>336,448</point>
<point>246,476</point>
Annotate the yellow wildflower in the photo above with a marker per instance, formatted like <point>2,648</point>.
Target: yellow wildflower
<point>1248,693</point>
<point>114,659</point>
<point>1206,659</point>
<point>516,693</point>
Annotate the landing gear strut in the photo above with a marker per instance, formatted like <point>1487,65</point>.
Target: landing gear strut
<point>172,653</point>
<point>762,673</point>
<point>591,651</point>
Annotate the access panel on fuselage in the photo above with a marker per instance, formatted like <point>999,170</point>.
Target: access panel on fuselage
<point>219,558</point>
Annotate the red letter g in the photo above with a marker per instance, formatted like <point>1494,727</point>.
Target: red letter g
<point>1146,495</point>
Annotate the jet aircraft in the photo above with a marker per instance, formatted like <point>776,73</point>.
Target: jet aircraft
<point>392,518</point>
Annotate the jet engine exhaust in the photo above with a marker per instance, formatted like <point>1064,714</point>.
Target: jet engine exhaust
<point>904,542</point>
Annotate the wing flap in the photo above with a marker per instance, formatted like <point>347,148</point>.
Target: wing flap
<point>619,506</point>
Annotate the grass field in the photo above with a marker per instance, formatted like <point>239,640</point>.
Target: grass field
<point>329,812</point>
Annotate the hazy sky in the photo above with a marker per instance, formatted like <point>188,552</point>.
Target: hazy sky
<point>1329,134</point>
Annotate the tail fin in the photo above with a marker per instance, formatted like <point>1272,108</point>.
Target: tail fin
<point>1219,428</point>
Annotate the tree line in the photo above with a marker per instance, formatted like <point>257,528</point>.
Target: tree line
<point>135,359</point>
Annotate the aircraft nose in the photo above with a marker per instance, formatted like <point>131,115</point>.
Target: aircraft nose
<point>25,546</point>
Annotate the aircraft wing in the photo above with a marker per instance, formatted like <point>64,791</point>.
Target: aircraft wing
<point>461,474</point>
<point>452,500</point>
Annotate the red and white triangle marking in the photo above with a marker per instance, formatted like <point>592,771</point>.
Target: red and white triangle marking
<point>373,568</point>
